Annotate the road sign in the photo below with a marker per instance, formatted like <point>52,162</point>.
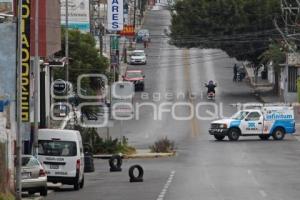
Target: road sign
<point>128,30</point>
<point>59,86</point>
<point>114,42</point>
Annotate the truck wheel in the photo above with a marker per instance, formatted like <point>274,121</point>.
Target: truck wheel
<point>264,137</point>
<point>76,186</point>
<point>233,134</point>
<point>219,137</point>
<point>278,134</point>
<point>82,183</point>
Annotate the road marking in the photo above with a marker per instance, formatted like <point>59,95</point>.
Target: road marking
<point>162,194</point>
<point>186,64</point>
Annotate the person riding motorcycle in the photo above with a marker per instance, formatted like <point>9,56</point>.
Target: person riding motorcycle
<point>211,87</point>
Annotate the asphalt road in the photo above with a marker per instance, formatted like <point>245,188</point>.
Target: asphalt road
<point>249,169</point>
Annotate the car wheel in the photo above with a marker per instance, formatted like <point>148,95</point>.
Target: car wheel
<point>82,182</point>
<point>278,134</point>
<point>44,192</point>
<point>233,134</point>
<point>142,87</point>
<point>219,137</point>
<point>76,185</point>
<point>264,137</point>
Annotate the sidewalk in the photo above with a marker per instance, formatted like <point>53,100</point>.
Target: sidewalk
<point>140,153</point>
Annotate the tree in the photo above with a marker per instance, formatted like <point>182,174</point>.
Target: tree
<point>84,57</point>
<point>242,28</point>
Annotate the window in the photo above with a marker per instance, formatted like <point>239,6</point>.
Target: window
<point>29,162</point>
<point>57,148</point>
<point>253,116</point>
<point>292,79</point>
<point>240,115</point>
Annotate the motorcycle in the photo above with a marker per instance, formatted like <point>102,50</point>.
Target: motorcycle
<point>211,96</point>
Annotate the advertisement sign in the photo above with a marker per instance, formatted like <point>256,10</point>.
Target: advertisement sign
<point>78,14</point>
<point>128,30</point>
<point>25,91</point>
<point>115,15</point>
<point>6,6</point>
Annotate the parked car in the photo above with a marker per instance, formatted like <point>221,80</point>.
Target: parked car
<point>61,152</point>
<point>138,57</point>
<point>136,77</point>
<point>142,33</point>
<point>34,177</point>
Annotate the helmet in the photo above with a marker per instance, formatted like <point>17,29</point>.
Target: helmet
<point>210,82</point>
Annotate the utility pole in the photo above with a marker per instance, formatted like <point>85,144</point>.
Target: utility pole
<point>18,104</point>
<point>134,13</point>
<point>67,43</point>
<point>36,79</point>
<point>96,28</point>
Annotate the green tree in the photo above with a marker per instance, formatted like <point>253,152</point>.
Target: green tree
<point>84,57</point>
<point>242,28</point>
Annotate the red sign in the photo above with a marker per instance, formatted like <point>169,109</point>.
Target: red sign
<point>128,30</point>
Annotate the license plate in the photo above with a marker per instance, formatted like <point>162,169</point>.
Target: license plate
<point>54,166</point>
<point>26,174</point>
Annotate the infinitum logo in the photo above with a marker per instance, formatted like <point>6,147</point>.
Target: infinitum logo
<point>278,116</point>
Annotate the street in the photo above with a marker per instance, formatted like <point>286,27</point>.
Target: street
<point>250,169</point>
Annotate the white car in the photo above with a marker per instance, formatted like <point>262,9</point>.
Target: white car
<point>138,57</point>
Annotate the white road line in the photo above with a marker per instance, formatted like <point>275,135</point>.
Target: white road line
<point>162,194</point>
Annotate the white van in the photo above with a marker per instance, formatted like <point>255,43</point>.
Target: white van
<point>61,153</point>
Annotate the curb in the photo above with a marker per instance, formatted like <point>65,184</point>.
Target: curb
<point>137,156</point>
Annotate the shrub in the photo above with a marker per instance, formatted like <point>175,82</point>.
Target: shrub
<point>163,145</point>
<point>6,196</point>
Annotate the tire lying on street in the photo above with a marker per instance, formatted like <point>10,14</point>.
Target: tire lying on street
<point>115,163</point>
<point>234,134</point>
<point>139,177</point>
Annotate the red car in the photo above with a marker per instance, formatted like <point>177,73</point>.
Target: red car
<point>136,77</point>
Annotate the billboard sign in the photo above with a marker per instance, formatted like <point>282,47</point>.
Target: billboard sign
<point>115,15</point>
<point>6,6</point>
<point>128,30</point>
<point>78,13</point>
<point>25,89</point>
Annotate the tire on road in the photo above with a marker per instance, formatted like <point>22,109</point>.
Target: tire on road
<point>115,163</point>
<point>278,134</point>
<point>233,134</point>
<point>219,137</point>
<point>264,137</point>
<point>139,177</point>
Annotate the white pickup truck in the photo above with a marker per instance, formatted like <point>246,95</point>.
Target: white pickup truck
<point>275,121</point>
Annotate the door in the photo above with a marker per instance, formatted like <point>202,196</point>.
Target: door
<point>252,124</point>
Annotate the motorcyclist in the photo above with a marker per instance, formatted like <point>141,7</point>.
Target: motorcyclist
<point>211,87</point>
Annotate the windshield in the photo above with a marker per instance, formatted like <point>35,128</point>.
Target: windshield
<point>57,148</point>
<point>240,115</point>
<point>143,32</point>
<point>138,54</point>
<point>134,75</point>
